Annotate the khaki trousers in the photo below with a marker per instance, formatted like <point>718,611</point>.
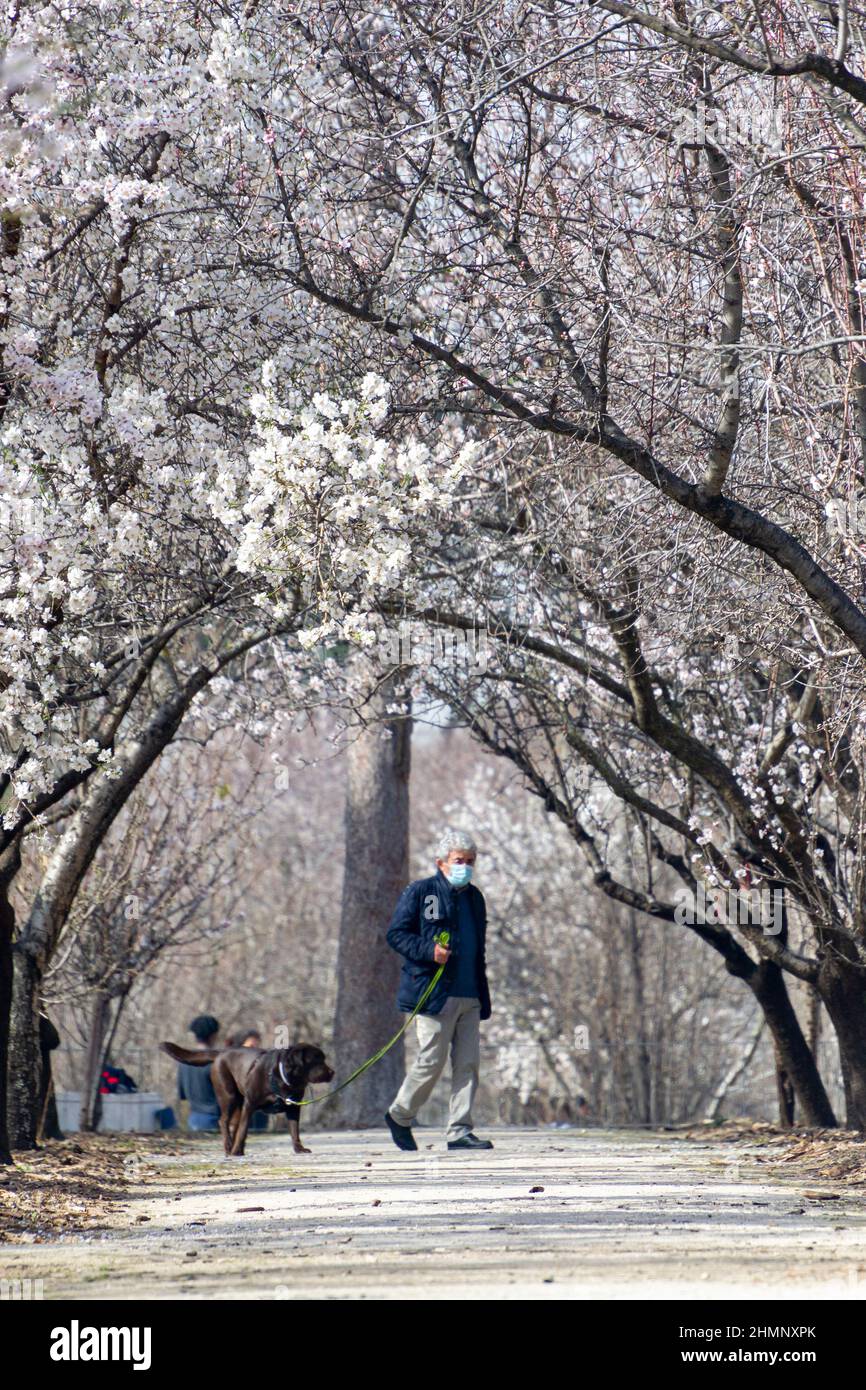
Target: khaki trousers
<point>455,1027</point>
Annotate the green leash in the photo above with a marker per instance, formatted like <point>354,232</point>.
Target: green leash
<point>442,939</point>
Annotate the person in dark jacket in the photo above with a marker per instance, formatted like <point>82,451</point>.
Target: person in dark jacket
<point>194,1083</point>
<point>113,1079</point>
<point>49,1039</point>
<point>448,1020</point>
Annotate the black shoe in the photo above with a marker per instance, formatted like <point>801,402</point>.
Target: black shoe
<point>469,1141</point>
<point>401,1134</point>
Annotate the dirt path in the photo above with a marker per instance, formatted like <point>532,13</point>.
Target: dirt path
<point>621,1215</point>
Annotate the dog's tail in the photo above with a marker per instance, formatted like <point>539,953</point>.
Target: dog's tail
<point>202,1057</point>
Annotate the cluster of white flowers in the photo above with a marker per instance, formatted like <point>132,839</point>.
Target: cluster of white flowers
<point>326,504</point>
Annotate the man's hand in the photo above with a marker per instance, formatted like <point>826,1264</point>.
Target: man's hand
<point>440,954</point>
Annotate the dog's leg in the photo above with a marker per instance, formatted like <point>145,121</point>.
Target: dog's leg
<point>228,1099</point>
<point>232,1125</point>
<point>229,1113</point>
<point>226,1130</point>
<point>294,1117</point>
<point>243,1125</point>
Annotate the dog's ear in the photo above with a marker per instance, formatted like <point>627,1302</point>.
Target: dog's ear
<point>293,1059</point>
<point>301,1058</point>
<point>306,1056</point>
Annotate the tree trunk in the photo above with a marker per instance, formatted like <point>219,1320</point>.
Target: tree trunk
<point>813,1033</point>
<point>7,928</point>
<point>786,1096</point>
<point>377,870</point>
<point>641,1058</point>
<point>619,1030</point>
<point>25,1060</point>
<point>737,1069</point>
<point>842,985</point>
<point>91,1099</point>
<point>791,1049</point>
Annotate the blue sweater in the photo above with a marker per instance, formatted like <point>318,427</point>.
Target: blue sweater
<point>194,1084</point>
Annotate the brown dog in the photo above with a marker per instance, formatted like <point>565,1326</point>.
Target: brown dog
<point>247,1079</point>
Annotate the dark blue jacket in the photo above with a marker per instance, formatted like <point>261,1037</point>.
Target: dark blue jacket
<point>426,908</point>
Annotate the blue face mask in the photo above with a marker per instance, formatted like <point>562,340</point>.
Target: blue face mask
<point>459,875</point>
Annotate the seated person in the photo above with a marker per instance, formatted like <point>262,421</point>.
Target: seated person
<point>194,1083</point>
<point>114,1079</point>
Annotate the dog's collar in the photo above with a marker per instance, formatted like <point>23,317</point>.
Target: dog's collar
<point>286,1082</point>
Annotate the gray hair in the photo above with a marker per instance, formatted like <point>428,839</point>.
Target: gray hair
<point>454,839</point>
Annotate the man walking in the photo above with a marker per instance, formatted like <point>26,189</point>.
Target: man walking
<point>446,902</point>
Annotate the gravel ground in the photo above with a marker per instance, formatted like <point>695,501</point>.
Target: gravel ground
<point>548,1214</point>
